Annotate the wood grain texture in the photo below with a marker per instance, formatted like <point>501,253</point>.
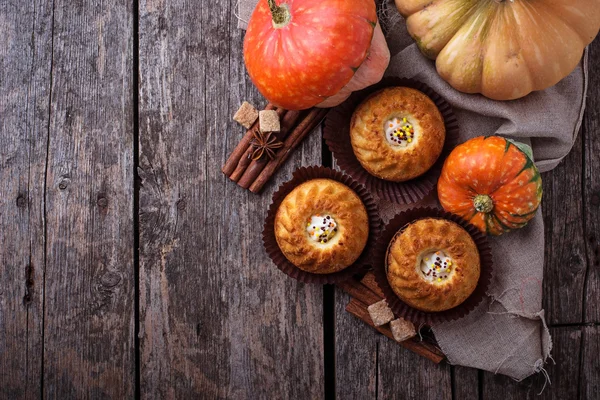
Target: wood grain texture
<point>589,382</point>
<point>217,319</point>
<point>465,383</point>
<point>565,263</point>
<point>591,189</point>
<point>356,353</point>
<point>25,63</point>
<point>564,375</point>
<point>405,375</point>
<point>89,298</point>
<point>571,207</point>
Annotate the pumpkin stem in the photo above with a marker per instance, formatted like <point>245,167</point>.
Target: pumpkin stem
<point>483,203</point>
<point>281,14</point>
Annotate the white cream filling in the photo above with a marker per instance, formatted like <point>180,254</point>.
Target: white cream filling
<point>321,228</point>
<point>399,132</point>
<point>436,266</point>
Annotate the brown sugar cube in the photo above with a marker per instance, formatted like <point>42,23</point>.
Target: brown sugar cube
<point>402,329</point>
<point>246,115</point>
<point>380,313</point>
<point>269,121</point>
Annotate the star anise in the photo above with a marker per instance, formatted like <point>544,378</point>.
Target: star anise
<point>264,144</point>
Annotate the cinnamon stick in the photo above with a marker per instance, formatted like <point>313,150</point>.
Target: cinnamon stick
<point>424,349</point>
<point>241,148</point>
<point>256,166</point>
<point>312,120</point>
<point>369,281</point>
<point>246,157</point>
<point>242,165</point>
<point>288,122</point>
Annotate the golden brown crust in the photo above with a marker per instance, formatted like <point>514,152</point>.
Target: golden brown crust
<point>322,196</point>
<point>404,258</point>
<point>371,147</point>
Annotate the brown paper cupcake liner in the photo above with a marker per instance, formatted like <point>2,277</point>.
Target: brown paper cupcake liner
<point>300,176</point>
<point>337,136</point>
<point>400,308</point>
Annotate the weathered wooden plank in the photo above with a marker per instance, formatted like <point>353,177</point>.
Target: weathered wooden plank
<point>405,375</point>
<point>564,375</point>
<point>356,348</point>
<point>465,383</point>
<point>565,249</point>
<point>217,318</point>
<point>89,303</point>
<point>591,188</point>
<point>590,363</point>
<point>571,208</point>
<point>25,63</point>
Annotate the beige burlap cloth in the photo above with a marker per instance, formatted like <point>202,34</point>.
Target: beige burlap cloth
<point>507,333</point>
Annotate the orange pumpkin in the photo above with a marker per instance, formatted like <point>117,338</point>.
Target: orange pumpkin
<point>491,182</point>
<point>305,53</point>
<point>503,49</point>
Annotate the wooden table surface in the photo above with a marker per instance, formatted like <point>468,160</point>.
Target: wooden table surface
<point>130,266</point>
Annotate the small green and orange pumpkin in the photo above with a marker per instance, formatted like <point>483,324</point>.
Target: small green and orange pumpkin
<point>492,183</point>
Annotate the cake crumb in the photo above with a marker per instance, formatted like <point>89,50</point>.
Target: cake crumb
<point>380,313</point>
<point>402,329</point>
<point>269,121</point>
<point>246,115</point>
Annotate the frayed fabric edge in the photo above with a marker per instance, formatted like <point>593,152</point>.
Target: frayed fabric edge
<point>546,343</point>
